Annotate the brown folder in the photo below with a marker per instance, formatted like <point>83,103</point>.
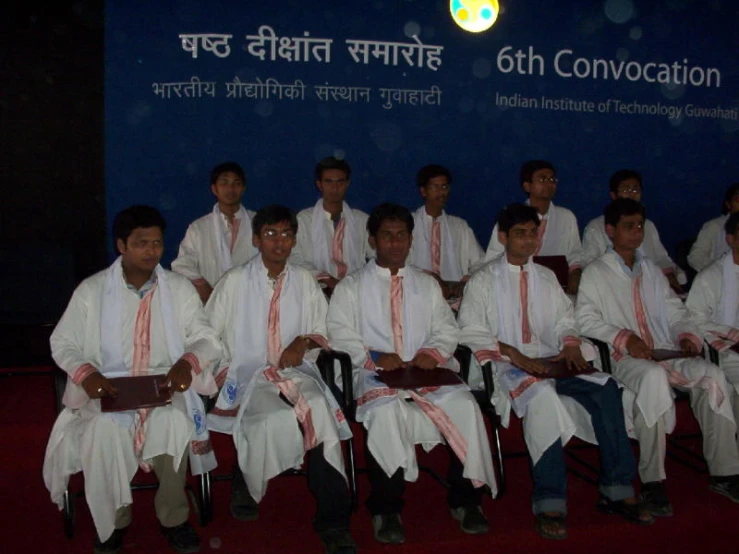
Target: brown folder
<point>558,264</point>
<point>147,391</point>
<point>559,370</point>
<point>415,378</point>
<point>661,355</point>
<point>735,348</point>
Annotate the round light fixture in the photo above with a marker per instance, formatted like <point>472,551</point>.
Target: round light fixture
<point>474,16</point>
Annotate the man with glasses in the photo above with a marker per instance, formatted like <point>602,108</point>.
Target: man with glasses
<point>271,318</point>
<point>627,183</point>
<point>332,241</point>
<point>558,232</point>
<point>443,245</point>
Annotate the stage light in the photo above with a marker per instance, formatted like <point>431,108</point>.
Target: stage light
<point>474,16</point>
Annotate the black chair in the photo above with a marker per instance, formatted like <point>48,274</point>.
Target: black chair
<point>682,249</point>
<point>68,507</point>
<point>325,363</point>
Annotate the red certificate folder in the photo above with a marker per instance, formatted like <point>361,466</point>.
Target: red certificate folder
<point>147,391</point>
<point>559,369</point>
<point>661,355</point>
<point>416,378</point>
<point>558,264</point>
<point>735,348</point>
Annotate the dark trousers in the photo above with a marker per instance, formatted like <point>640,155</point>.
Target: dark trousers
<point>329,488</point>
<point>386,496</point>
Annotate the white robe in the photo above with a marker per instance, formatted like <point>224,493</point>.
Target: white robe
<point>304,254</point>
<point>710,244</point>
<point>547,416</point>
<point>561,238</point>
<point>460,252</point>
<point>595,242</point>
<point>101,445</point>
<point>199,258</point>
<point>359,320</point>
<point>705,301</point>
<point>265,430</point>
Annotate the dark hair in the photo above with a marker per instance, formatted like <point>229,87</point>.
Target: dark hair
<point>332,163</point>
<point>388,211</point>
<point>225,167</point>
<point>621,207</point>
<point>428,172</point>
<point>532,166</point>
<point>731,192</point>
<point>732,224</point>
<point>623,175</point>
<point>272,214</point>
<point>136,217</point>
<point>514,214</point>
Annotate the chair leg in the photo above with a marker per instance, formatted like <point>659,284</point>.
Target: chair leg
<point>205,499</point>
<point>68,514</point>
<point>351,465</point>
<point>499,455</point>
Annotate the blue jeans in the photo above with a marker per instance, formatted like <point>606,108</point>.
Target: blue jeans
<point>618,465</point>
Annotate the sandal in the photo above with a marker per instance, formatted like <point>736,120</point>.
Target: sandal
<point>634,513</point>
<point>551,526</point>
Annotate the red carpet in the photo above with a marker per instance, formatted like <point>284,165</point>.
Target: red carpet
<point>703,520</point>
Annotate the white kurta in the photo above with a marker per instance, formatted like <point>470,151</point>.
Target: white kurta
<point>304,254</point>
<point>101,445</point>
<point>359,320</point>
<point>547,416</point>
<point>459,247</point>
<point>265,429</point>
<point>595,242</point>
<point>710,244</point>
<point>705,301</point>
<point>561,238</point>
<point>198,257</point>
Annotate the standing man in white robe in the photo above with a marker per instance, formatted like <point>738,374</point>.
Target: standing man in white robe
<point>558,233</point>
<point>271,317</point>
<point>627,183</point>
<point>626,301</point>
<point>710,244</point>
<point>443,244</point>
<point>515,311</point>
<point>332,237</point>
<point>388,315</point>
<point>131,319</point>
<point>714,303</point>
<point>220,240</point>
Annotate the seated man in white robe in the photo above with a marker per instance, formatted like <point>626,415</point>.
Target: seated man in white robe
<point>271,317</point>
<point>220,240</point>
<point>386,316</point>
<point>513,313</point>
<point>133,319</point>
<point>626,301</point>
<point>332,237</point>
<point>710,244</point>
<point>558,233</point>
<point>443,244</point>
<point>627,183</point>
<point>714,304</point>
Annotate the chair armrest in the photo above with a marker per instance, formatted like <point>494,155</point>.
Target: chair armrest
<point>463,355</point>
<point>487,379</point>
<point>325,363</point>
<point>712,354</point>
<point>603,352</point>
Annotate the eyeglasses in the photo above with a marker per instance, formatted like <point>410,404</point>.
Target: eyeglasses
<point>439,186</point>
<point>629,189</point>
<point>272,234</point>
<point>552,180</point>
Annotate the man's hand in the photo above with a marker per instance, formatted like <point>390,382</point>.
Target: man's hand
<point>637,348</point>
<point>573,356</point>
<point>179,376</point>
<point>389,361</point>
<point>688,347</point>
<point>293,355</point>
<point>424,361</point>
<point>96,385</point>
<point>204,291</point>
<point>529,365</point>
<point>674,285</point>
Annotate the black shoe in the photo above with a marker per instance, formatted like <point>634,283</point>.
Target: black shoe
<point>388,528</point>
<point>654,498</point>
<point>471,519</point>
<point>112,545</point>
<point>338,541</point>
<point>728,486</point>
<point>182,538</point>
<point>243,506</point>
